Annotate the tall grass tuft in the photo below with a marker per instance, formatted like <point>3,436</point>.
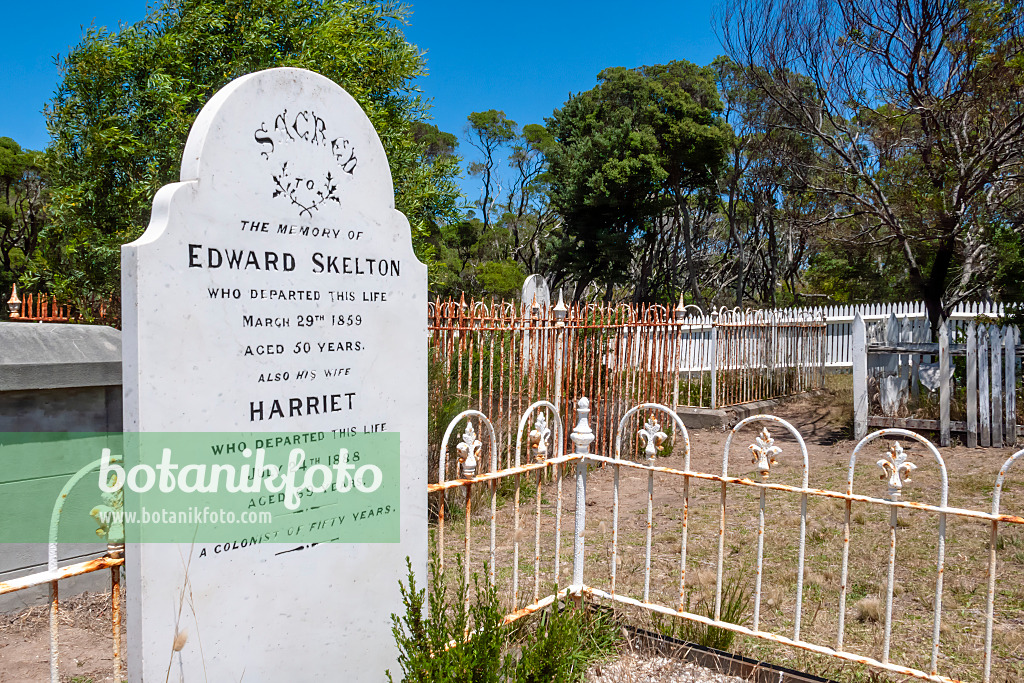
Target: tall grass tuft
<point>736,605</point>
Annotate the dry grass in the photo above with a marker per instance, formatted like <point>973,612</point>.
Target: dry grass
<point>971,475</point>
<point>85,610</point>
<point>868,609</point>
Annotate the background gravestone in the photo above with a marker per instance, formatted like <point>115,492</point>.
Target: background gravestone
<point>276,289</point>
<point>536,286</point>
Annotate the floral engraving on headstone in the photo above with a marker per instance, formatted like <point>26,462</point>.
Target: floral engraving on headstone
<point>306,188</point>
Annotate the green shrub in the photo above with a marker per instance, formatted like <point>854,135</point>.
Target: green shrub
<point>459,642</point>
<point>455,642</point>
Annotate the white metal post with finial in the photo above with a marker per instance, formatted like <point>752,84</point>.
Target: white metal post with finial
<point>14,303</point>
<point>582,436</point>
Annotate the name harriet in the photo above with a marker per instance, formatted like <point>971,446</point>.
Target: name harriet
<point>297,406</point>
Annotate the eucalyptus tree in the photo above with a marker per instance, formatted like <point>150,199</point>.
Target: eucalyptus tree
<point>917,118</point>
<point>22,209</point>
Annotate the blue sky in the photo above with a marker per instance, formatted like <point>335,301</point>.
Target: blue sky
<point>524,58</point>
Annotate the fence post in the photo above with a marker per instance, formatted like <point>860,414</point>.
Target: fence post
<point>984,409</point>
<point>714,366</point>
<point>1010,377</point>
<point>995,347</point>
<point>582,436</point>
<point>972,386</point>
<point>860,377</point>
<point>943,385</point>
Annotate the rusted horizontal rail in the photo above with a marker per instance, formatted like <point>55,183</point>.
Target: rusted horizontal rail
<point>743,481</point>
<point>500,474</point>
<point>976,514</point>
<point>586,591</point>
<point>534,607</point>
<point>45,578</point>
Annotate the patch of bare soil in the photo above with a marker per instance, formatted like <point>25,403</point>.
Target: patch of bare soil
<point>84,633</point>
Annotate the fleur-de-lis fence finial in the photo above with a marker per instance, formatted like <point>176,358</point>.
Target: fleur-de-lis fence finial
<point>469,451</point>
<point>897,469</point>
<point>764,451</point>
<point>538,438</point>
<point>651,436</point>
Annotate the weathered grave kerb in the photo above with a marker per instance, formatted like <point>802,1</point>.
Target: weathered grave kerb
<point>276,289</point>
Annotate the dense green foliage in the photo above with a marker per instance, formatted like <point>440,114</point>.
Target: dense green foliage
<point>22,214</point>
<point>432,646</point>
<point>627,157</point>
<point>867,150</point>
<point>126,100</point>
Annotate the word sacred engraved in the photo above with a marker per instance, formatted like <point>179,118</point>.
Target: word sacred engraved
<point>307,188</point>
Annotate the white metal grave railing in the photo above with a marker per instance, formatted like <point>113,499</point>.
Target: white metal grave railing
<point>543,445</point>
<point>54,574</point>
<point>547,458</point>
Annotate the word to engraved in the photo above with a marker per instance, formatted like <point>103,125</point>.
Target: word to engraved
<point>306,188</point>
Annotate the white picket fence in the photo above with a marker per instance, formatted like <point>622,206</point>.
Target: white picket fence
<point>839,321</point>
<point>895,358</point>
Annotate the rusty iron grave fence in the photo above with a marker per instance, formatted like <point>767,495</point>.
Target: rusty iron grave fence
<point>508,519</point>
<point>499,357</point>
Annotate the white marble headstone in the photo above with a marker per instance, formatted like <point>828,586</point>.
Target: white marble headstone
<point>535,286</point>
<point>240,304</point>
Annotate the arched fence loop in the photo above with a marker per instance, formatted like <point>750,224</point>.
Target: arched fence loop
<point>992,545</point>
<point>653,438</point>
<point>896,469</point>
<point>764,451</point>
<point>469,449</point>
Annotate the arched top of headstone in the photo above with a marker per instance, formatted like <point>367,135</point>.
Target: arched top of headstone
<point>294,137</point>
<point>536,286</point>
